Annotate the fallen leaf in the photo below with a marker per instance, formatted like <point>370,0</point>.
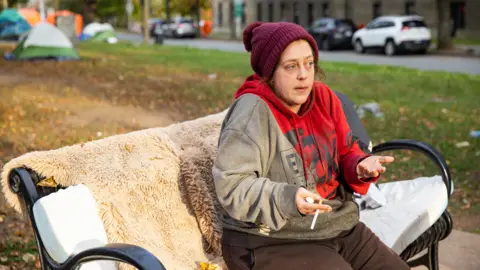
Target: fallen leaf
<point>129,147</point>
<point>49,182</point>
<point>28,258</point>
<point>429,124</point>
<point>462,144</point>
<point>207,266</point>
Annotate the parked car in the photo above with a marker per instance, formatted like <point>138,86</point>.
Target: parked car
<point>180,27</point>
<point>332,33</point>
<point>394,34</point>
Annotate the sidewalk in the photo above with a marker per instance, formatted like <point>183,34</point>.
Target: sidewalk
<point>460,251</point>
<point>470,49</point>
<point>459,50</point>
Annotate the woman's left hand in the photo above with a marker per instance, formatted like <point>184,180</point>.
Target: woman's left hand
<point>372,166</point>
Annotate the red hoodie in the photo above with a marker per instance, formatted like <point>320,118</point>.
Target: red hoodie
<point>320,134</point>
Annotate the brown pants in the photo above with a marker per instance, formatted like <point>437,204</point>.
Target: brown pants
<point>360,249</point>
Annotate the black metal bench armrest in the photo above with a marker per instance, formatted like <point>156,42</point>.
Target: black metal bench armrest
<point>22,182</point>
<point>131,254</point>
<point>426,149</point>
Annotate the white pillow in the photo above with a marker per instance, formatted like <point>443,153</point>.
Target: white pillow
<point>68,223</point>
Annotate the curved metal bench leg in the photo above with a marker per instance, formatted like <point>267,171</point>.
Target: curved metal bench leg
<point>430,259</point>
<point>433,257</point>
<point>424,260</point>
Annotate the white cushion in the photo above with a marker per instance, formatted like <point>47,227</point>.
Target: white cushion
<point>68,223</point>
<point>373,199</point>
<point>412,206</point>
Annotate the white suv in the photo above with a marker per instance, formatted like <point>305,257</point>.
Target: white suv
<point>394,34</point>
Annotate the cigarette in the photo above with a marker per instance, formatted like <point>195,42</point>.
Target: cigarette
<point>314,220</point>
<point>310,200</point>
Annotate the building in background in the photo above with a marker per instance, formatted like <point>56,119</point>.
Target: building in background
<point>464,14</point>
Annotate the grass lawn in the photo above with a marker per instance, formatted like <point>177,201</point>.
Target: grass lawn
<point>47,105</point>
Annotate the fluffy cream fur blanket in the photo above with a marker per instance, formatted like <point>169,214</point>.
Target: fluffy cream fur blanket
<point>154,187</point>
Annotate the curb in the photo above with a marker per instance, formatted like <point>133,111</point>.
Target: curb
<point>467,53</point>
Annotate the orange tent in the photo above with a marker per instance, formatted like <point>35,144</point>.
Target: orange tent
<point>51,18</point>
<point>30,15</point>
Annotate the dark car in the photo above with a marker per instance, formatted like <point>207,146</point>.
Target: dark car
<point>332,33</point>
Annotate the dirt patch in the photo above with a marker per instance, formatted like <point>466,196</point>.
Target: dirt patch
<point>469,223</point>
<point>104,112</point>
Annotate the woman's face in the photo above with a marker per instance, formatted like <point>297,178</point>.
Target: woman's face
<point>294,75</point>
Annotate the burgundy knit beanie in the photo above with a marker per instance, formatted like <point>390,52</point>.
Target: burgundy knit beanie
<point>266,42</point>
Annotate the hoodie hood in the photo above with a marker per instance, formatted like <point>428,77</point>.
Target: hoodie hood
<point>255,85</point>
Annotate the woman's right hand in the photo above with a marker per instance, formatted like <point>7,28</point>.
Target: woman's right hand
<point>307,208</point>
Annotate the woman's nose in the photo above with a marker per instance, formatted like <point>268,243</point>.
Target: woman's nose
<point>302,73</point>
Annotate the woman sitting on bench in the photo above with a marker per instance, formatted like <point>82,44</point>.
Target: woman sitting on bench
<point>288,164</point>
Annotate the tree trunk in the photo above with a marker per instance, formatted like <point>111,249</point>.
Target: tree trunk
<point>198,12</point>
<point>167,9</point>
<point>5,4</point>
<point>88,11</point>
<point>146,16</point>
<point>444,27</point>
<point>232,20</point>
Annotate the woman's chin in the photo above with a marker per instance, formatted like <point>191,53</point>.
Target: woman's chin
<point>300,100</point>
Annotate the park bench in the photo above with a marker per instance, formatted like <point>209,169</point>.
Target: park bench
<point>69,231</point>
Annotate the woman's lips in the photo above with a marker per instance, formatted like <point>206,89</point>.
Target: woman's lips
<point>301,88</point>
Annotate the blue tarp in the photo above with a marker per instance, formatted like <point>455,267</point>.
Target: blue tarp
<point>84,37</point>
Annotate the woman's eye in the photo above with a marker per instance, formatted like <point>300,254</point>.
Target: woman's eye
<point>290,67</point>
<point>310,64</point>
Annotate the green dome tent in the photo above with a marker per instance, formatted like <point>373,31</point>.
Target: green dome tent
<point>105,36</point>
<point>44,41</point>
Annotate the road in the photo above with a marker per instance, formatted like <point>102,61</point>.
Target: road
<point>422,62</point>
